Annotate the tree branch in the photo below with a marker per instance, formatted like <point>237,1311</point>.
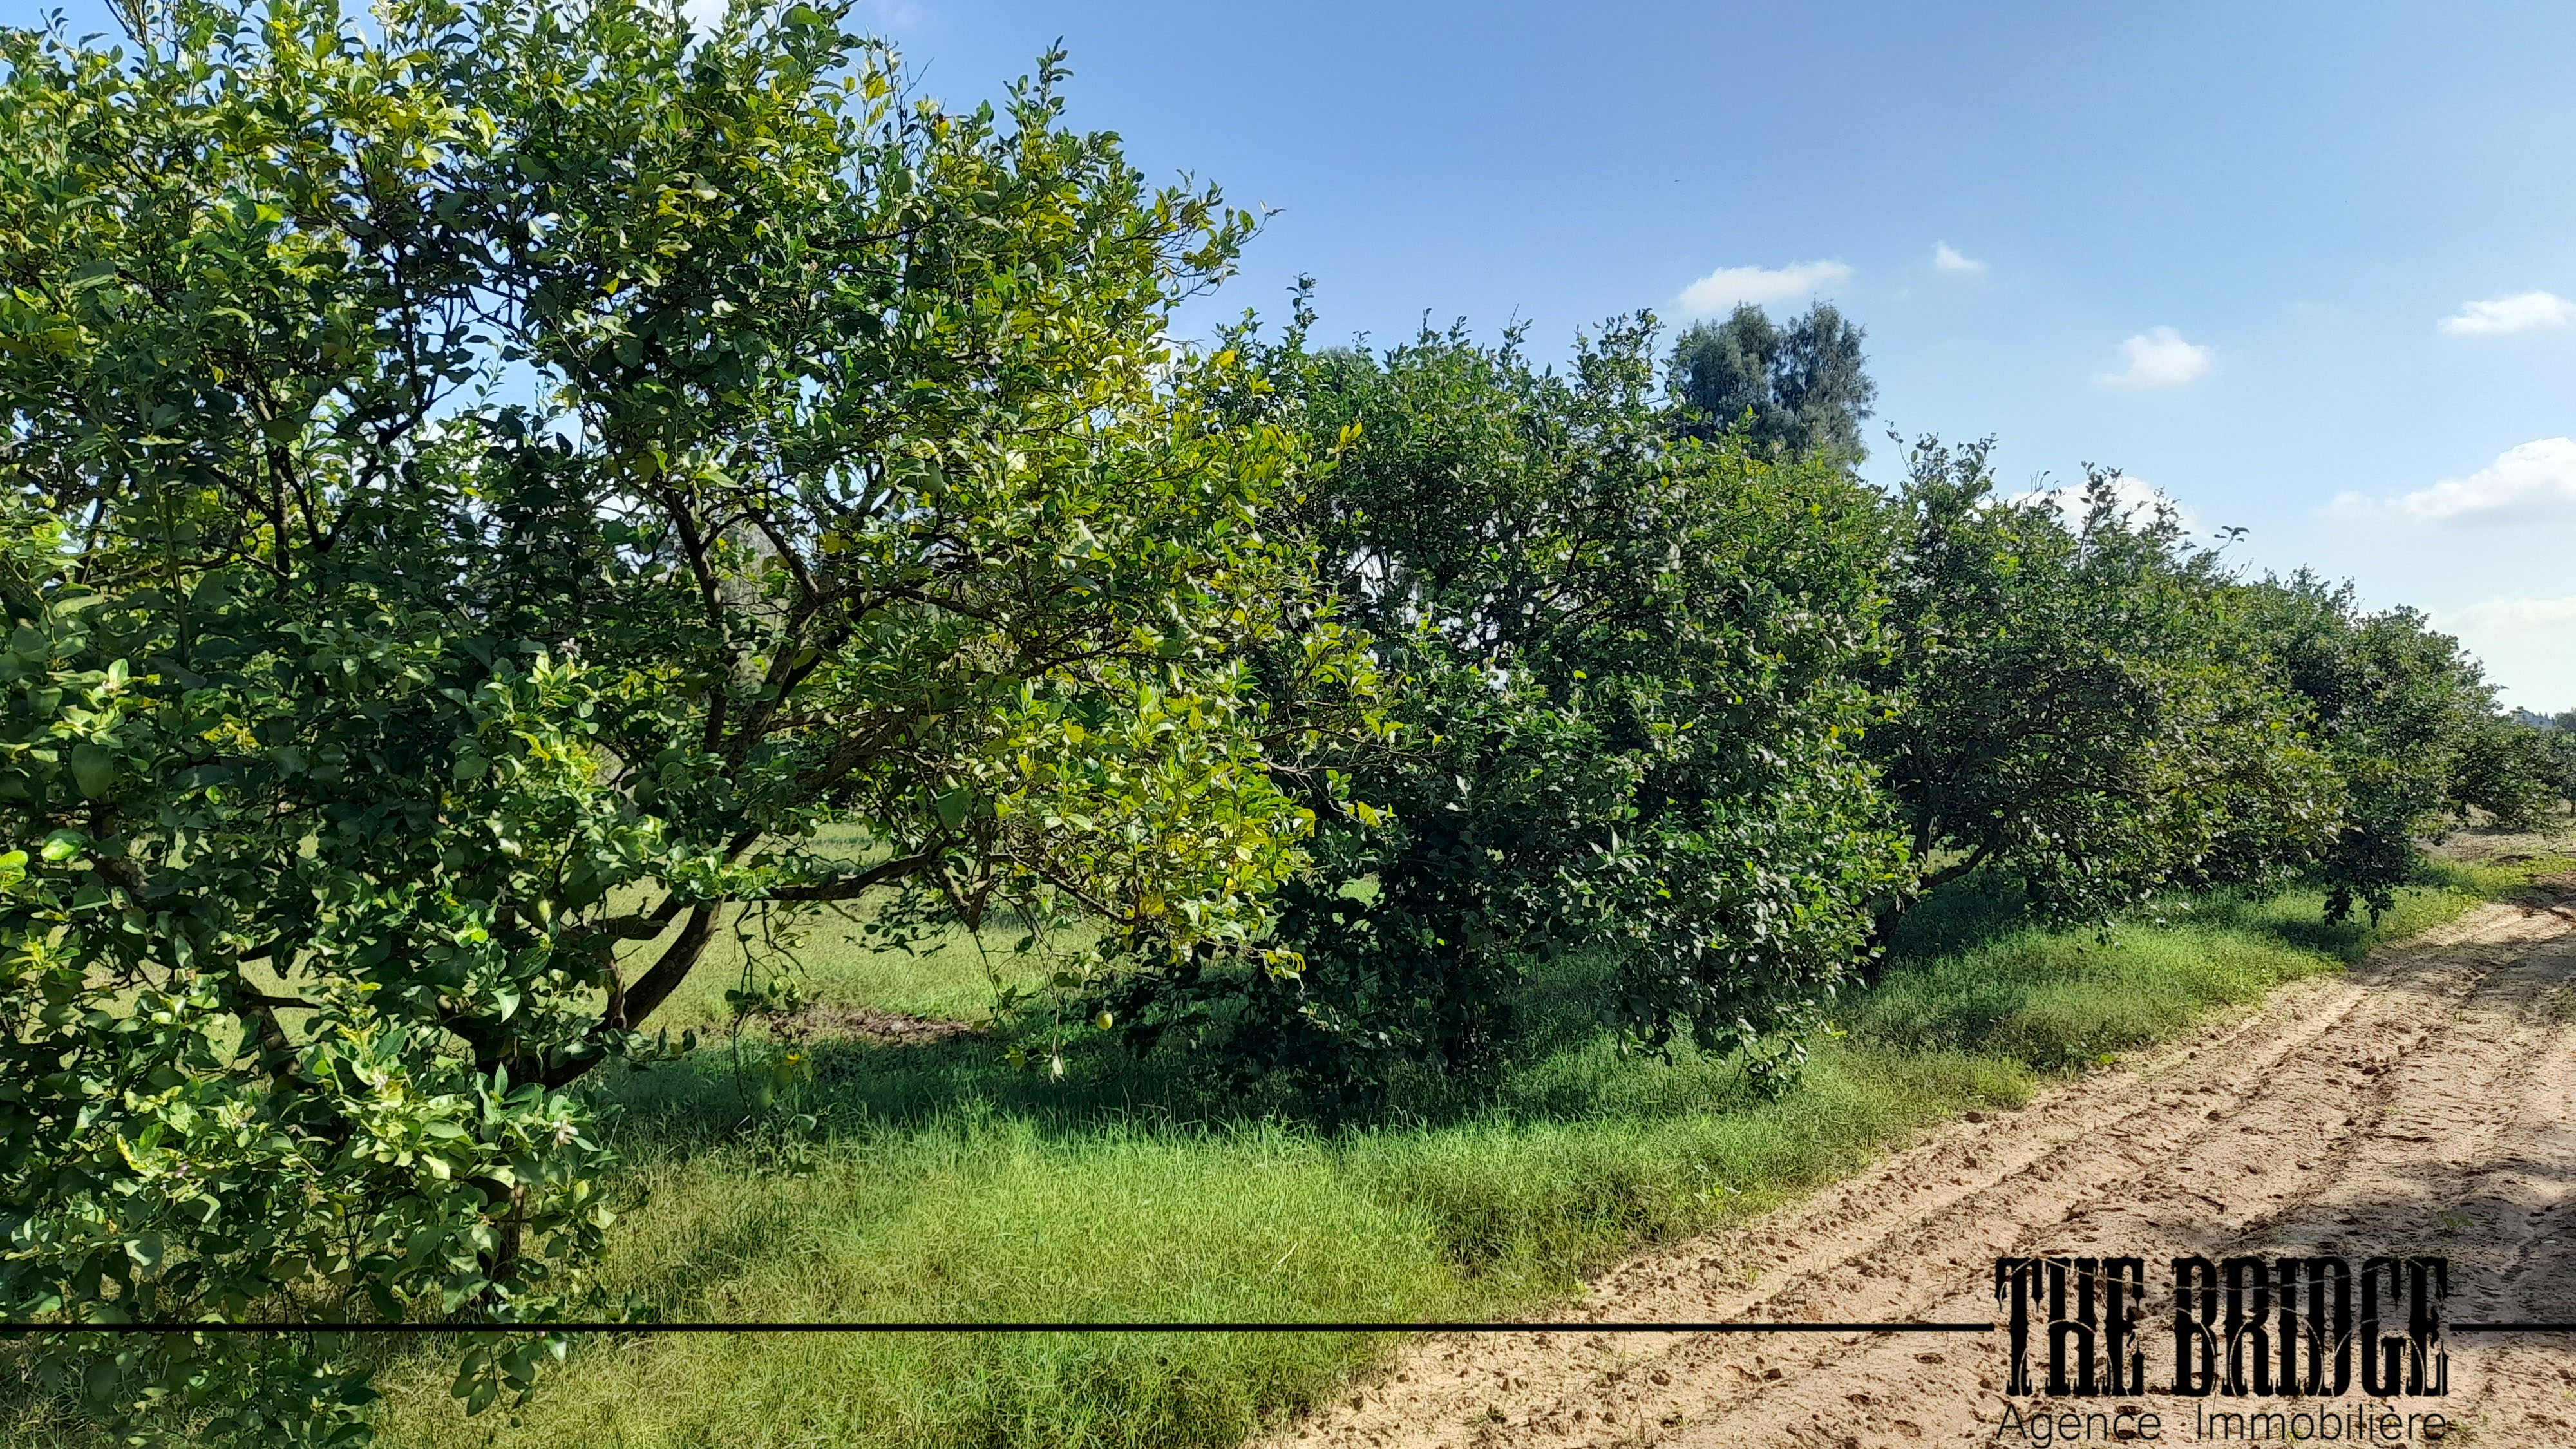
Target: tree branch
<point>671,967</point>
<point>851,887</point>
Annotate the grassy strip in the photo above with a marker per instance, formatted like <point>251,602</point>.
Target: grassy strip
<point>2059,1001</point>
<point>963,1194</point>
<point>940,1185</point>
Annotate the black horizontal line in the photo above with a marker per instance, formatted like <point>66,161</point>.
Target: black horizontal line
<point>2509,1328</point>
<point>159,1328</point>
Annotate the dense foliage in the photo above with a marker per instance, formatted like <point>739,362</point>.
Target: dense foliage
<point>1623,661</point>
<point>2411,728</point>
<point>2069,701</point>
<point>483,489</point>
<point>480,488</point>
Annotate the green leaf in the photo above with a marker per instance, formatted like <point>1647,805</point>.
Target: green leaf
<point>94,769</point>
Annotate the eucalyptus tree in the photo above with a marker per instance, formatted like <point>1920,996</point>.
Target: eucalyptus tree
<point>1800,389</point>
<point>480,487</point>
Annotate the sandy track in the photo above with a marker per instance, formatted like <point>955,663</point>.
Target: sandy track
<point>2423,1102</point>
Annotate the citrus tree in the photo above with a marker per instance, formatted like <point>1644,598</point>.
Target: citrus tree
<point>2408,720</point>
<point>479,487</point>
<point>2079,703</point>
<point>1625,663</point>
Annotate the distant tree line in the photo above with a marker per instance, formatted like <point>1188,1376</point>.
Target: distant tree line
<point>482,492</point>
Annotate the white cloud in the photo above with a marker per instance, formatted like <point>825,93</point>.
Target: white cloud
<point>2509,616</point>
<point>2136,499</point>
<point>2535,480</point>
<point>2520,312</point>
<point>2526,645</point>
<point>2158,357</point>
<point>1722,289</point>
<point>1947,258</point>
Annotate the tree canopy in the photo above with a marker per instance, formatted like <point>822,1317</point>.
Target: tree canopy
<point>480,489</point>
<point>1623,662</point>
<point>2070,702</point>
<point>2408,721</point>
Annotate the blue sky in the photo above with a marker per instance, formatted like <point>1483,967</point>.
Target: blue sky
<point>2306,268</point>
<point>2301,194</point>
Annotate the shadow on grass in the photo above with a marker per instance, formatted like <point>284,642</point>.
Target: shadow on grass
<point>1971,973</point>
<point>1965,914</point>
<point>2296,917</point>
<point>1986,907</point>
<point>1567,1068</point>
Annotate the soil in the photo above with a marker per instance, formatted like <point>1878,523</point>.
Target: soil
<point>867,1023</point>
<point>2423,1102</point>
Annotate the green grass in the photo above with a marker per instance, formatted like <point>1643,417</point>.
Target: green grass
<point>2054,1001</point>
<point>979,1212</point>
<point>949,976</point>
<point>939,1184</point>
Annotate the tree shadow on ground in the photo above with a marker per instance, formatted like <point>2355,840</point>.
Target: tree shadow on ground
<point>1064,1081</point>
<point>1966,965</point>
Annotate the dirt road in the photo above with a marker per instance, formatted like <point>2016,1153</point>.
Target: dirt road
<point>2425,1102</point>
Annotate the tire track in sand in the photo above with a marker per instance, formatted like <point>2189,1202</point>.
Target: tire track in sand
<point>2424,1101</point>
